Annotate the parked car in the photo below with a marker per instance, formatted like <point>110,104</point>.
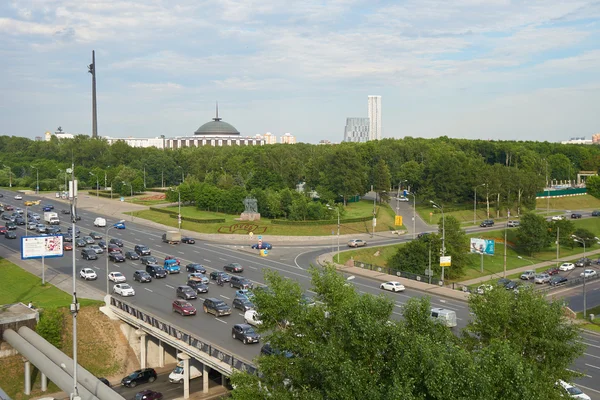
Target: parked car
<point>268,350</point>
<point>512,285</point>
<point>482,289</point>
<point>116,257</point>
<point>245,333</point>
<point>541,278</point>
<point>185,292</point>
<point>102,244</point>
<point>262,246</point>
<point>156,271</point>
<point>193,267</point>
<point>67,246</point>
<point>113,248</point>
<point>530,274</point>
<point>487,223</point>
<point>67,237</point>
<point>177,260</point>
<point>199,287</point>
<point>572,391</point>
<point>513,224</point>
<point>392,286</point>
<point>242,304</point>
<point>558,218</point>
<point>123,289</point>
<point>225,277</point>
<point>216,307</point>
<point>88,274</point>
<point>244,294</point>
<point>142,276</point>
<point>566,267</point>
<point>142,250</point>
<point>233,267</point>
<point>116,277</point>
<point>139,376</point>
<point>95,235</point>
<point>588,273</point>
<point>11,226</point>
<point>198,277</point>
<point>88,239</point>
<point>96,248</point>
<point>583,262</point>
<point>132,255</point>
<point>357,243</point>
<point>575,216</point>
<point>116,241</point>
<point>188,240</point>
<point>240,282</point>
<point>552,271</point>
<point>184,307</point>
<point>88,254</point>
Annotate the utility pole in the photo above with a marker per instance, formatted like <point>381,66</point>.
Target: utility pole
<point>557,244</point>
<point>162,179</point>
<point>144,177</point>
<point>505,244</point>
<point>374,213</point>
<point>75,305</point>
<point>92,70</point>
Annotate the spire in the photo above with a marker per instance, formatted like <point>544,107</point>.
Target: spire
<point>217,117</point>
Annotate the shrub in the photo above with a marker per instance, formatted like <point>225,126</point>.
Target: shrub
<point>51,326</point>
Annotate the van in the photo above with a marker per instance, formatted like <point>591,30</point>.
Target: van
<point>101,222</point>
<point>445,317</point>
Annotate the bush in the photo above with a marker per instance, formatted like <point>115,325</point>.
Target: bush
<point>51,326</point>
<point>163,210</point>
<point>322,222</point>
<point>200,221</point>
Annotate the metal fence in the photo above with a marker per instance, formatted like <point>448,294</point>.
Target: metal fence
<point>184,336</point>
<point>403,274</point>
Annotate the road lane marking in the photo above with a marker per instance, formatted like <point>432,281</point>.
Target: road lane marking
<point>196,251</point>
<point>158,245</point>
<point>588,388</point>
<point>252,267</point>
<point>181,252</point>
<point>220,320</point>
<point>577,372</point>
<point>224,259</point>
<point>225,297</point>
<point>591,355</point>
<point>147,289</point>
<point>169,286</point>
<point>589,344</point>
<point>206,260</point>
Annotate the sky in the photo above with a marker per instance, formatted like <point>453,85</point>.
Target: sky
<point>475,69</point>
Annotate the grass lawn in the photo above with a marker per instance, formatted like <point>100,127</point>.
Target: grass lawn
<point>584,202</point>
<point>385,222</point>
<point>591,325</point>
<point>367,254</point>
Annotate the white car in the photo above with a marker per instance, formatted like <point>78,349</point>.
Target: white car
<point>558,218</point>
<point>123,289</point>
<point>88,274</point>
<point>101,222</point>
<point>484,289</point>
<point>392,286</point>
<point>573,391</point>
<point>402,198</point>
<point>566,267</point>
<point>541,278</point>
<point>251,317</point>
<point>18,197</point>
<point>357,243</point>
<point>588,273</point>
<point>116,277</point>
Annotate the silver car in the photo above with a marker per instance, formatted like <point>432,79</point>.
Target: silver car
<point>96,248</point>
<point>542,278</point>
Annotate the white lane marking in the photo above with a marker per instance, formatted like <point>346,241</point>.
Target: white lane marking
<point>148,289</point>
<point>588,388</point>
<point>220,320</point>
<point>158,245</point>
<point>593,366</point>
<point>181,252</point>
<point>589,338</point>
<point>224,259</point>
<point>577,372</point>
<point>206,260</point>
<point>252,267</point>
<point>196,251</point>
<point>169,286</point>
<point>589,344</point>
<point>225,297</point>
<point>591,355</point>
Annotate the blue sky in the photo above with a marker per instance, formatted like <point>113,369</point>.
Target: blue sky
<point>487,69</point>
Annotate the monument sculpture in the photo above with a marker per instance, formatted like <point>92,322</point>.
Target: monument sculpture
<point>250,210</point>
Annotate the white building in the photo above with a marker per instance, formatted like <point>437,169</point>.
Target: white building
<point>357,130</point>
<point>576,140</point>
<point>139,142</point>
<point>374,117</point>
<point>270,138</point>
<point>58,135</point>
<point>288,138</point>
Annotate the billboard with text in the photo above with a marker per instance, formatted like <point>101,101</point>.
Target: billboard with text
<point>41,246</point>
<point>484,246</point>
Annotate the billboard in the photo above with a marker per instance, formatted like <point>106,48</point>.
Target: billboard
<point>446,261</point>
<point>484,246</point>
<point>41,246</point>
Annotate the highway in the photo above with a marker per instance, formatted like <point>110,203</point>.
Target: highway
<point>291,261</point>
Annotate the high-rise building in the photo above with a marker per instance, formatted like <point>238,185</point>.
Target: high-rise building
<point>270,138</point>
<point>596,138</point>
<point>357,130</point>
<point>288,138</point>
<point>374,117</point>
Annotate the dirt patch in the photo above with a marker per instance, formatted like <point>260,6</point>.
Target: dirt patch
<point>157,196</point>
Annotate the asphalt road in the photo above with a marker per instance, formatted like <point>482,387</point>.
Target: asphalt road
<point>290,261</point>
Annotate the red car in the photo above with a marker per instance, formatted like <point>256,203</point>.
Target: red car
<point>552,271</point>
<point>8,207</point>
<point>67,247</point>
<point>173,258</point>
<point>184,307</point>
<point>3,229</point>
<point>113,248</point>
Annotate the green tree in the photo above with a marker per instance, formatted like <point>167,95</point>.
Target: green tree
<point>532,234</point>
<point>587,236</point>
<point>565,229</point>
<point>414,255</point>
<point>381,180</point>
<point>592,184</point>
<point>457,245</point>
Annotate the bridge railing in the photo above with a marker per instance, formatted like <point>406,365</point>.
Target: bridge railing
<point>184,336</point>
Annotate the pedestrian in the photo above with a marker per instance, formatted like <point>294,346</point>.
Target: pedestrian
<point>30,305</point>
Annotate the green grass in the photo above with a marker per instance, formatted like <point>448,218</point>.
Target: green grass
<point>367,254</point>
<point>591,325</point>
<point>146,202</point>
<point>584,202</point>
<point>18,285</point>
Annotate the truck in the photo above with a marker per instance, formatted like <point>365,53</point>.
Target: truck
<point>171,266</point>
<point>176,376</point>
<point>51,218</point>
<point>171,237</point>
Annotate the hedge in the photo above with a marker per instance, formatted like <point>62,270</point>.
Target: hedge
<point>163,210</point>
<point>106,194</point>
<point>323,222</point>
<point>200,221</point>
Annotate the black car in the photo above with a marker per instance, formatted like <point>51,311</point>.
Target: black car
<point>142,250</point>
<point>132,255</point>
<point>102,244</point>
<point>116,241</point>
<point>52,230</point>
<point>240,282</point>
<point>193,267</point>
<point>512,285</point>
<point>81,243</point>
<point>139,376</point>
<point>503,282</point>
<point>49,206</point>
<point>10,235</point>
<point>557,280</point>
<point>583,262</point>
<point>199,287</point>
<point>233,267</point>
<point>245,333</point>
<point>242,304</point>
<point>487,223</point>
<point>225,277</point>
<point>105,381</point>
<point>65,211</point>
<point>186,292</point>
<point>77,231</point>
<point>148,260</point>
<point>11,226</point>
<point>89,254</point>
<point>575,216</point>
<point>95,235</point>
<point>67,237</point>
<point>141,276</point>
<point>216,307</point>
<point>188,240</point>
<point>596,213</point>
<point>116,257</point>
<point>156,271</point>
<point>20,221</point>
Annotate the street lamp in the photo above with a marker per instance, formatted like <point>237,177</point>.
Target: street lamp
<point>338,230</point>
<point>37,181</point>
<point>414,214</point>
<point>108,227</point>
<point>475,204</point>
<point>443,231</point>
<point>179,207</point>
<point>580,240</point>
<point>97,196</point>
<point>182,173</point>
<point>9,175</point>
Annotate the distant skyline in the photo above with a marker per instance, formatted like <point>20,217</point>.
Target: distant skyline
<point>475,69</point>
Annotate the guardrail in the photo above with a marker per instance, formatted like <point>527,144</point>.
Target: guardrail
<point>186,338</point>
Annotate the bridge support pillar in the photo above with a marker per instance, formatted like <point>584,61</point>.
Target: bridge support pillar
<point>44,379</point>
<point>186,374</point>
<point>161,354</point>
<point>143,347</point>
<point>223,380</point>
<point>205,371</point>
<point>27,388</point>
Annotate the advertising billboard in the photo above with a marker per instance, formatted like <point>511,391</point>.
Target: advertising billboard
<point>41,246</point>
<point>484,246</point>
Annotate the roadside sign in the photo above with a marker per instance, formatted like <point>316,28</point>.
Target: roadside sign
<point>259,237</point>
<point>428,272</point>
<point>445,261</point>
<point>374,222</point>
<point>398,220</point>
<point>41,247</point>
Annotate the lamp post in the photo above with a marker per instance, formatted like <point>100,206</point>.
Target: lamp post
<point>182,173</point>
<point>338,230</point>
<point>9,175</point>
<point>97,194</point>
<point>580,240</point>
<point>414,215</point>
<point>37,181</point>
<point>443,231</point>
<point>475,204</point>
<point>107,240</point>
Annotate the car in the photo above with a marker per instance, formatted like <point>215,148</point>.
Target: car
<point>541,278</point>
<point>102,244</point>
<point>8,207</point>
<point>402,198</point>
<point>566,267</point>
<point>31,225</point>
<point>148,260</point>
<point>116,257</point>
<point>483,289</point>
<point>245,333</point>
<point>156,271</point>
<point>142,250</point>
<point>65,211</point>
<point>587,273</point>
<point>88,274</point>
<point>268,350</point>
<point>252,317</point>
<point>513,224</point>
<point>148,395</point>
<point>240,282</point>
<point>242,304</point>
<point>96,248</point>
<point>572,391</point>
<point>116,277</point>
<point>77,231</point>
<point>552,271</point>
<point>3,229</point>
<point>486,223</point>
<point>198,277</point>
<point>557,280</point>
<point>27,203</point>
<point>20,221</point>
<point>392,286</point>
<point>215,306</point>
<point>10,235</point>
<point>262,246</point>
<point>80,243</point>
<point>88,254</point>
<point>188,240</point>
<point>183,307</point>
<point>558,218</point>
<point>18,197</point>
<point>575,216</point>
<point>233,267</point>
<point>225,277</point>
<point>140,376</point>
<point>119,225</point>
<point>596,213</point>
<point>123,289</point>
<point>116,241</point>
<point>49,206</point>
<point>306,300</point>
<point>244,294</point>
<point>132,255</point>
<point>357,243</point>
<point>11,226</point>
<point>67,237</point>
<point>199,287</point>
<point>95,235</point>
<point>67,246</point>
<point>583,262</point>
<point>88,239</point>
<point>142,276</point>
<point>529,274</point>
<point>186,292</point>
<point>177,260</point>
<point>193,267</point>
<point>100,222</point>
<point>113,248</point>
<point>52,230</point>
<point>19,210</point>
<point>105,381</point>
